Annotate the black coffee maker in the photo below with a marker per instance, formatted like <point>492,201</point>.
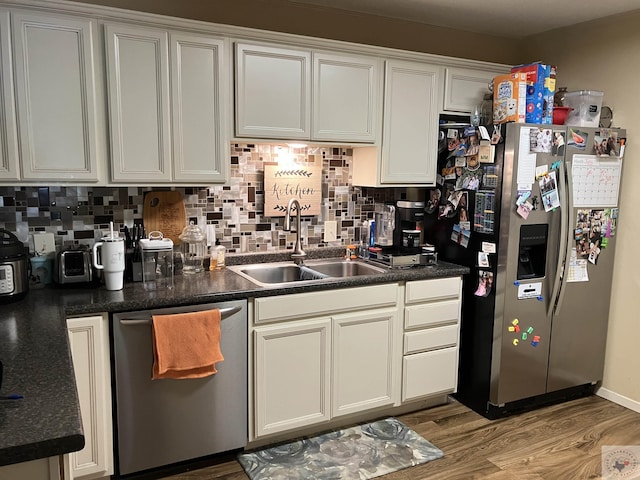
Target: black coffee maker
<point>409,234</point>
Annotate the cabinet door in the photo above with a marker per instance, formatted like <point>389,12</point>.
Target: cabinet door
<point>89,341</point>
<point>273,92</point>
<point>292,365</point>
<point>365,361</point>
<point>346,98</point>
<point>138,83</point>
<point>464,88</point>
<point>55,91</point>
<point>409,144</point>
<point>9,167</point>
<point>42,469</point>
<point>199,99</point>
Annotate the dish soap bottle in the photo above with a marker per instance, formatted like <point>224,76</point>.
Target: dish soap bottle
<point>219,251</point>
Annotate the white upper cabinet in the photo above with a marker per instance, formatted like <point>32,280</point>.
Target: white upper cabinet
<point>464,88</point>
<point>165,86</point>
<point>273,92</point>
<point>346,93</point>
<point>410,125</point>
<point>138,82</point>
<point>9,167</point>
<point>55,87</point>
<point>299,94</point>
<point>200,113</point>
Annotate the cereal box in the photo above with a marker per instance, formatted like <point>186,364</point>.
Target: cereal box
<point>510,98</point>
<point>537,73</point>
<point>549,92</point>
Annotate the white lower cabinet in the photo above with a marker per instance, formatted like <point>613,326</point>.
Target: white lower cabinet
<point>338,352</point>
<point>431,336</point>
<point>41,469</point>
<point>292,375</point>
<point>364,366</point>
<point>89,342</point>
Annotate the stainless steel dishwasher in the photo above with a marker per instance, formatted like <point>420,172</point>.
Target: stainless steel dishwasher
<point>162,422</point>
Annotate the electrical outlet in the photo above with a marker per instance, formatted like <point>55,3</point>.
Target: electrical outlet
<point>43,243</point>
<point>330,231</point>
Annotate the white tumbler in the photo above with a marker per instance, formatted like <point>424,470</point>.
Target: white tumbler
<point>112,261</point>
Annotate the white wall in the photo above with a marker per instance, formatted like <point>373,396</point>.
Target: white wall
<point>603,55</point>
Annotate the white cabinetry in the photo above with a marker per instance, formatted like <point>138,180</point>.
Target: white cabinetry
<point>287,93</point>
<point>153,95</point>
<point>432,329</point>
<point>410,125</point>
<point>324,354</point>
<point>293,374</point>
<point>42,469</point>
<point>363,359</point>
<point>464,88</point>
<point>54,57</point>
<point>9,167</point>
<point>273,92</point>
<point>346,97</point>
<point>89,341</point>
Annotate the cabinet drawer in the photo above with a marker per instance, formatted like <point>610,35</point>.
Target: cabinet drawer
<point>430,338</point>
<point>422,290</point>
<point>286,307</point>
<point>429,373</point>
<point>428,314</point>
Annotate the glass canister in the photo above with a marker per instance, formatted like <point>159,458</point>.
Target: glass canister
<point>157,261</point>
<point>193,248</point>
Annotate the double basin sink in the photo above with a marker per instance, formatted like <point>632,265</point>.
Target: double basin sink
<point>286,273</point>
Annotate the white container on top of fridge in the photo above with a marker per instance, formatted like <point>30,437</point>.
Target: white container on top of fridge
<point>586,105</point>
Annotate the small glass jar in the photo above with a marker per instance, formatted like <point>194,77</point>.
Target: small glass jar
<point>193,248</point>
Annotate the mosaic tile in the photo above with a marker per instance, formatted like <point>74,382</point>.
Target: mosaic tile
<point>77,214</point>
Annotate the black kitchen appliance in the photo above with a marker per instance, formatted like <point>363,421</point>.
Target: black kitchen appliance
<point>408,235</point>
<point>14,279</point>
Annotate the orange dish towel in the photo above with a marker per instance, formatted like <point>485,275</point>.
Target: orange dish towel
<point>186,345</point>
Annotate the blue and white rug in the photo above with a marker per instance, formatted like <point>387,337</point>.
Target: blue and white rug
<point>356,453</point>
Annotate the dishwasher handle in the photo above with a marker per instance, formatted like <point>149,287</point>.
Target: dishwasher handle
<point>224,313</point>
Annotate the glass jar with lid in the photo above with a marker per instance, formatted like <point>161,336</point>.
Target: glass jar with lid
<point>193,247</point>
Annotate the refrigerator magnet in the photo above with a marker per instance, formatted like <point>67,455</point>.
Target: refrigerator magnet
<point>524,209</point>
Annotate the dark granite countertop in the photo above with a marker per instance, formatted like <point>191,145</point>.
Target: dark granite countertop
<point>35,350</point>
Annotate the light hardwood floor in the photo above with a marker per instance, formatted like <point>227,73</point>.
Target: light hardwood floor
<point>553,443</point>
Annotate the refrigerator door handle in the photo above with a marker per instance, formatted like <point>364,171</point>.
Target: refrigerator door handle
<point>566,207</point>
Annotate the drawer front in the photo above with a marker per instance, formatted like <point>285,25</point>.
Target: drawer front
<point>422,290</point>
<point>429,373</point>
<point>312,304</point>
<point>429,314</point>
<point>430,339</point>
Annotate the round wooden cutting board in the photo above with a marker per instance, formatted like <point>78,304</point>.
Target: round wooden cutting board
<point>165,212</point>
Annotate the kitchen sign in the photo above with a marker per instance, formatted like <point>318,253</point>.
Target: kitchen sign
<point>304,183</point>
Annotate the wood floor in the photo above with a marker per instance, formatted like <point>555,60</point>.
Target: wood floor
<point>553,443</point>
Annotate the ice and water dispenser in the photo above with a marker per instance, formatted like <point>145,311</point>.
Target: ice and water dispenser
<point>532,251</point>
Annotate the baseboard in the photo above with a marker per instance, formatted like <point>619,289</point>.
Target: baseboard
<point>619,399</point>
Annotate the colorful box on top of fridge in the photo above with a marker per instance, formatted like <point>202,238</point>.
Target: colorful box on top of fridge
<point>510,98</point>
<point>549,93</point>
<point>537,73</point>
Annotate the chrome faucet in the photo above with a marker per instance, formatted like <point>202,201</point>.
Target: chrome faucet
<point>298,254</point>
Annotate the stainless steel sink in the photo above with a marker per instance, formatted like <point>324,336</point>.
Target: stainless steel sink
<point>278,274</point>
<point>345,268</point>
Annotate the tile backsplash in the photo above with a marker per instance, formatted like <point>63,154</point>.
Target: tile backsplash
<point>81,214</point>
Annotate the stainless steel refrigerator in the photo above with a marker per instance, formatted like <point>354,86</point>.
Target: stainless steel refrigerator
<point>537,229</point>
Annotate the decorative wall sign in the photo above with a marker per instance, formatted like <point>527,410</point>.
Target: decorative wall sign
<point>281,183</point>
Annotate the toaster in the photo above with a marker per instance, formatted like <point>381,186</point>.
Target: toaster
<point>74,265</point>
